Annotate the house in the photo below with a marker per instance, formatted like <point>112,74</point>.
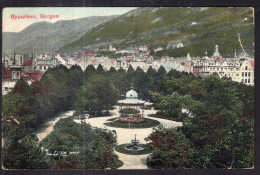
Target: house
<point>111,48</point>
<point>10,76</point>
<point>43,63</point>
<point>31,76</point>
<point>238,70</point>
<point>89,52</point>
<point>157,49</point>
<point>28,65</point>
<point>143,48</point>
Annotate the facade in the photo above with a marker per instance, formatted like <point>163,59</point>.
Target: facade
<point>44,62</point>
<point>238,70</point>
<point>10,76</point>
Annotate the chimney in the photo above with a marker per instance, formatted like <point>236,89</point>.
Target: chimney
<point>14,59</point>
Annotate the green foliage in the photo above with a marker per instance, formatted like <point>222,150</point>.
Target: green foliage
<point>97,93</point>
<point>95,147</point>
<point>67,136</point>
<point>216,25</point>
<point>220,129</point>
<point>146,123</point>
<point>170,149</point>
<point>24,154</point>
<point>129,111</point>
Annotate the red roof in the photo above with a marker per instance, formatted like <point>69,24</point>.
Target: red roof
<point>94,62</point>
<point>28,63</point>
<point>218,58</point>
<point>89,51</point>
<point>195,58</point>
<point>62,56</point>
<point>79,56</point>
<point>113,62</point>
<point>88,55</point>
<point>252,64</point>
<point>32,75</point>
<point>128,59</point>
<point>6,74</point>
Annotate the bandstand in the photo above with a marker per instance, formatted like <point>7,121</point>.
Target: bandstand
<point>132,102</point>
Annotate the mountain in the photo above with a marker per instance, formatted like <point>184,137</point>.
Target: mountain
<point>45,36</point>
<point>198,28</point>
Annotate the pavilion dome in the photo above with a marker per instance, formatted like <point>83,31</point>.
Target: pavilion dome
<point>131,94</point>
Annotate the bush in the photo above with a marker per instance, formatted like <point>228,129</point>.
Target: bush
<point>129,111</point>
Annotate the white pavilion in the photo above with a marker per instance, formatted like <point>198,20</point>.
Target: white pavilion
<point>132,101</point>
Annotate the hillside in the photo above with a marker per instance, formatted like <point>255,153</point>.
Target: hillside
<point>200,29</point>
<point>45,36</point>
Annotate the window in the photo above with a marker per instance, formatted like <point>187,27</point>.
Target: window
<point>249,74</point>
<point>248,80</point>
<point>246,68</point>
<point>14,75</point>
<point>6,88</point>
<point>242,80</point>
<point>18,75</point>
<point>40,67</point>
<point>242,74</point>
<point>245,80</point>
<point>246,74</point>
<point>44,67</point>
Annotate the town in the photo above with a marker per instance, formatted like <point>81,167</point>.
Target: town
<point>31,67</point>
<point>143,88</point>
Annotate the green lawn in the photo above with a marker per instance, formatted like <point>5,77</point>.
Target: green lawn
<point>146,123</point>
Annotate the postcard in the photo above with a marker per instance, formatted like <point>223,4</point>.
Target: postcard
<point>128,88</point>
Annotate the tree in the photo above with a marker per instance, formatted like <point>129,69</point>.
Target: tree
<point>75,81</point>
<point>170,149</point>
<point>89,70</point>
<point>140,83</point>
<point>24,154</point>
<point>22,87</point>
<point>130,75</point>
<point>96,94</point>
<point>100,69</point>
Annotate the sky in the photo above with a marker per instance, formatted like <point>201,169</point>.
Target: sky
<point>65,13</point>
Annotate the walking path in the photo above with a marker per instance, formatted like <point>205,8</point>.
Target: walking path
<point>48,126</point>
<point>124,135</point>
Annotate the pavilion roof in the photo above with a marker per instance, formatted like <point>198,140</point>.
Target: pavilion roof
<point>134,101</point>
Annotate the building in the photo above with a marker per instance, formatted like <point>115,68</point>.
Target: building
<point>143,48</point>
<point>158,49</point>
<point>10,76</point>
<point>44,62</point>
<point>132,101</point>
<point>31,76</point>
<point>111,48</point>
<point>238,70</point>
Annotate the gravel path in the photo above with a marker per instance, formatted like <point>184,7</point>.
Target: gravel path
<point>48,126</point>
<point>124,135</point>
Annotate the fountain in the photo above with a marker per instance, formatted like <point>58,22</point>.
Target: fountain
<point>135,146</point>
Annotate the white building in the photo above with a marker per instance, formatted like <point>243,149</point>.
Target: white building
<point>237,70</point>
